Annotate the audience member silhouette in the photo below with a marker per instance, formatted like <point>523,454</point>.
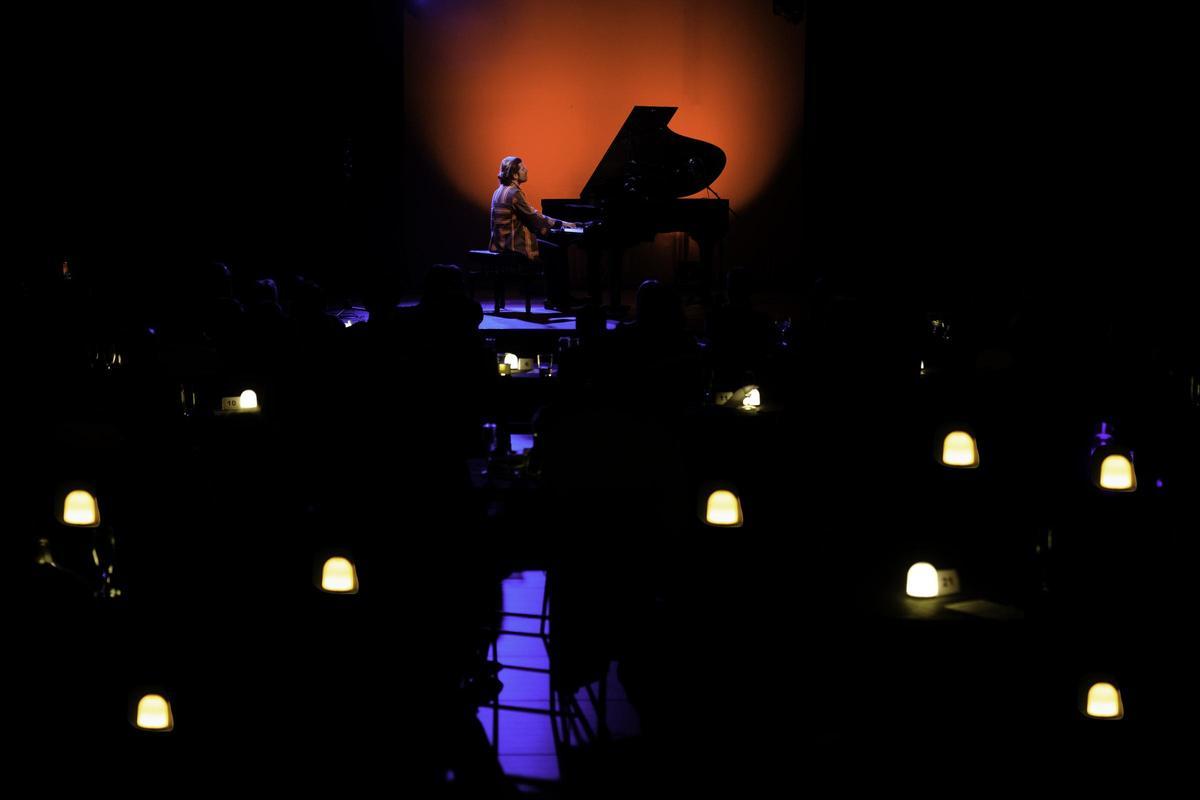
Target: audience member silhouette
<point>653,358</point>
<point>308,309</point>
<point>740,338</point>
<point>204,309</point>
<point>432,378</point>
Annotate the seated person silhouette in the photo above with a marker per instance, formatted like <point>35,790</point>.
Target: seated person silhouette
<point>655,354</point>
<point>440,337</point>
<point>741,338</point>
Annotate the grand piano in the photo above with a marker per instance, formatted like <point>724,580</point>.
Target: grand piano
<point>635,192</point>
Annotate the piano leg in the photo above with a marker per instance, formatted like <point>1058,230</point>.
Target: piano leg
<point>595,276</point>
<point>708,249</point>
<point>602,260</point>
<point>616,259</point>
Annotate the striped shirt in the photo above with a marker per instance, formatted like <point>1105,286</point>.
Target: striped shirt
<point>516,224</point>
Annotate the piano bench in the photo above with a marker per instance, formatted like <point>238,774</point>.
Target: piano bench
<point>502,266</point>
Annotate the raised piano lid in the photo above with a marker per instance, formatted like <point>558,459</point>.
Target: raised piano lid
<point>648,161</point>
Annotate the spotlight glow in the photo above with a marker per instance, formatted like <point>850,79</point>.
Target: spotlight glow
<point>736,77</point>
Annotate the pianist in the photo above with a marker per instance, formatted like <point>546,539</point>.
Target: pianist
<point>517,226</point>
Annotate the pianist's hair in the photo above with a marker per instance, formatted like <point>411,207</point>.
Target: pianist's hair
<point>508,169</point>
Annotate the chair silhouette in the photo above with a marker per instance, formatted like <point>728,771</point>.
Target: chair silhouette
<point>502,267</point>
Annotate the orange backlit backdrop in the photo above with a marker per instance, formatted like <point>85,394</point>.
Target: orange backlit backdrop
<point>552,81</point>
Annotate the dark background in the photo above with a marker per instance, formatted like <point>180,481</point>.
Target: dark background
<point>150,135</point>
<point>999,150</point>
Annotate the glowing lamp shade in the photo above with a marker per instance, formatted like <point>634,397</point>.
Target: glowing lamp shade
<point>1117,475</point>
<point>512,361</point>
<point>724,509</point>
<point>753,399</point>
<point>959,450</point>
<point>154,713</point>
<point>338,576</point>
<point>1104,702</point>
<point>80,508</point>
<point>248,400</point>
<point>922,580</point>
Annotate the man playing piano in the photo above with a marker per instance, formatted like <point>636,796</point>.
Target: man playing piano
<point>517,226</point>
